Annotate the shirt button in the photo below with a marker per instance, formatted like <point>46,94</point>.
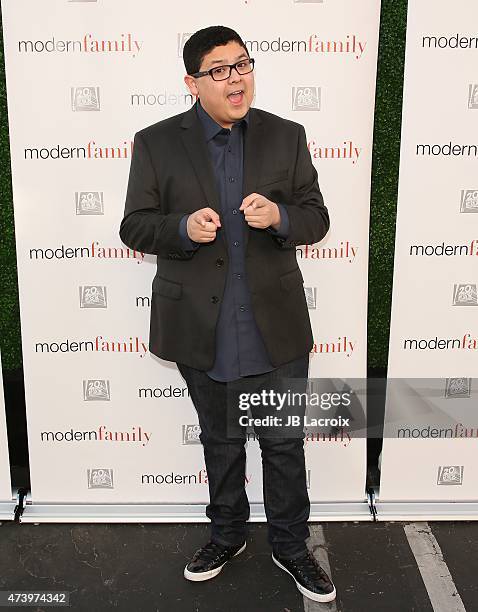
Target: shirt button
<point>219,262</point>
<point>242,308</point>
<point>239,276</point>
<point>231,179</point>
<point>234,211</point>
<point>236,243</point>
<point>214,299</point>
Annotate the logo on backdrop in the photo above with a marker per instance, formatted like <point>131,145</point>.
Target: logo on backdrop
<point>182,479</point>
<point>85,98</point>
<point>100,478</point>
<point>342,345</point>
<point>96,390</point>
<point>469,201</point>
<point>441,249</point>
<point>348,150</point>
<point>473,96</point>
<point>124,43</point>
<point>134,344</point>
<point>345,250</point>
<point>466,343</point>
<point>306,98</point>
<point>311,297</point>
<point>464,294</point>
<point>100,434</point>
<point>163,98</point>
<point>95,251</point>
<point>191,434</point>
<point>93,296</point>
<point>450,475</point>
<point>458,387</point>
<point>89,203</point>
<point>456,41</point>
<point>90,151</point>
<point>164,392</point>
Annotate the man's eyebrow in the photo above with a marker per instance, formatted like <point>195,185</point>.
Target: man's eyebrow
<point>222,61</point>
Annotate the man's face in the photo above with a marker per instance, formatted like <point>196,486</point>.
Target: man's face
<point>225,101</point>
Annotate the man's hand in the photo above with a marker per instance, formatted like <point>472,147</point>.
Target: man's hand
<point>202,224</point>
<point>260,212</point>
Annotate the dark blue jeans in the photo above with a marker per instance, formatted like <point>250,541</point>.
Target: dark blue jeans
<point>285,494</point>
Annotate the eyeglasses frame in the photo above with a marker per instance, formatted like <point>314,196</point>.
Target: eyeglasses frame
<point>197,75</point>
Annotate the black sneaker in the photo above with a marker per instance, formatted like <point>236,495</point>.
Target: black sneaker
<point>209,560</point>
<point>310,578</point>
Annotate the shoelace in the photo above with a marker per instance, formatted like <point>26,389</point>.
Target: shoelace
<point>210,551</point>
<point>307,564</point>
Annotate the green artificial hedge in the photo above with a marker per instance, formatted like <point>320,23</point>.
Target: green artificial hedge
<point>386,152</point>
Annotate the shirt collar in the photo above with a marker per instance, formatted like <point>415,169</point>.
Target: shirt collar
<point>211,128</point>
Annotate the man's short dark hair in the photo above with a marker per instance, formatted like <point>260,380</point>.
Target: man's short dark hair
<point>205,40</point>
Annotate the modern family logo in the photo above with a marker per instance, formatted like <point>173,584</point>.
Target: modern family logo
<point>93,251</point>
<point>123,43</point>
<point>444,250</point>
<point>136,434</point>
<point>200,477</point>
<point>351,44</point>
<point>346,151</point>
<point>341,346</point>
<point>90,151</point>
<point>132,345</point>
<point>466,343</point>
<point>345,250</point>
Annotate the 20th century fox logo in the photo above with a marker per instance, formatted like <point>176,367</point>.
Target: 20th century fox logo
<point>306,98</point>
<point>85,98</point>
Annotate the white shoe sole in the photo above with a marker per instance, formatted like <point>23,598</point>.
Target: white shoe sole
<point>200,576</point>
<point>309,594</point>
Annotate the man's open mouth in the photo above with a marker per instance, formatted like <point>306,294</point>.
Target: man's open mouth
<point>236,96</point>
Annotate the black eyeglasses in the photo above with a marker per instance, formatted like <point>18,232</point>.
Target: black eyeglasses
<point>221,73</point>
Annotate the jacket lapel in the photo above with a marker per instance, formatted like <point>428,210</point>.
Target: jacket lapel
<point>193,139</point>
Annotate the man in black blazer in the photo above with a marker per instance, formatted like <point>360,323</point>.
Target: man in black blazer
<point>223,194</point>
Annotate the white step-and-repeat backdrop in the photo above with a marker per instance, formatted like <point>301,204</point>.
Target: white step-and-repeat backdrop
<point>6,506</point>
<point>430,454</point>
<point>107,422</point>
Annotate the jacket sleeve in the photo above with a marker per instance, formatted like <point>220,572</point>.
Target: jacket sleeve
<point>144,226</point>
<point>308,216</point>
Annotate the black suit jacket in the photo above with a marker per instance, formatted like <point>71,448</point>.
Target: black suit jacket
<point>171,175</point>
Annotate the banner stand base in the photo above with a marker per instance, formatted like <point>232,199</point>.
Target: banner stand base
<point>173,513</point>
<point>423,511</point>
<point>7,508</point>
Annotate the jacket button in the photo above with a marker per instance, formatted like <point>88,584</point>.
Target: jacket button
<point>214,299</point>
<point>219,262</point>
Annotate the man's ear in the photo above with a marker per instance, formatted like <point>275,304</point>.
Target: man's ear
<point>191,85</point>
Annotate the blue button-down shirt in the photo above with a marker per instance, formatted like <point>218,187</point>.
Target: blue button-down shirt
<point>240,349</point>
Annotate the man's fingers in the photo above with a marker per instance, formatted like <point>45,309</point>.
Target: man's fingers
<point>247,201</point>
<point>211,215</point>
